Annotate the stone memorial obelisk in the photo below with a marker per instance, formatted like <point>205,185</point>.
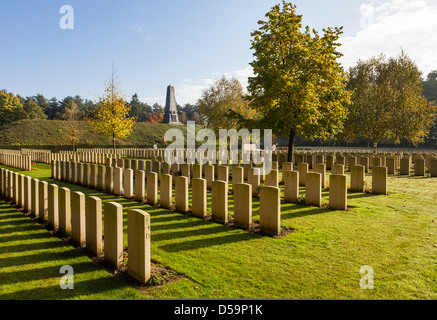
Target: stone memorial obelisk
<point>171,112</point>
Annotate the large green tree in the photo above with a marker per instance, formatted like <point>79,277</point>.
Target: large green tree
<point>32,110</point>
<point>139,110</point>
<point>387,101</point>
<point>430,86</point>
<point>192,113</point>
<point>42,102</point>
<point>298,87</point>
<point>219,99</point>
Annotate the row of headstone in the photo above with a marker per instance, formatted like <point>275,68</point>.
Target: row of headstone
<point>137,183</point>
<point>17,161</point>
<point>239,174</point>
<point>330,159</point>
<point>312,157</point>
<point>392,161</point>
<point>143,187</point>
<point>119,151</point>
<point>42,156</point>
<point>89,157</point>
<point>252,175</point>
<point>420,165</point>
<point>357,176</point>
<point>10,151</point>
<point>129,152</point>
<point>403,164</point>
<point>327,157</point>
<point>73,213</point>
<point>36,155</point>
<point>190,156</point>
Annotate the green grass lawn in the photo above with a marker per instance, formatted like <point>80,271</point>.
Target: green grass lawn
<point>395,234</point>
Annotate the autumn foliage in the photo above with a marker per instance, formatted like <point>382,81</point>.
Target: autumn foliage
<point>298,84</point>
<point>111,116</point>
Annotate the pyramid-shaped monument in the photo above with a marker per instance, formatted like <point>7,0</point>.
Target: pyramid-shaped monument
<point>171,111</point>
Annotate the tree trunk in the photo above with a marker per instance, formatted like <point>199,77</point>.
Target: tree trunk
<point>375,145</point>
<point>291,146</point>
<point>113,142</point>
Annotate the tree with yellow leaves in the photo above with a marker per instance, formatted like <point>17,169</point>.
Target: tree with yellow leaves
<point>298,84</point>
<point>111,116</point>
<point>11,108</point>
<point>223,96</point>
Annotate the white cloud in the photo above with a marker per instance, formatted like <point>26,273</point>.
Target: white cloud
<point>391,25</point>
<point>208,81</point>
<point>140,30</point>
<point>243,75</point>
<point>137,28</point>
<point>189,91</point>
<point>185,92</point>
<point>152,100</point>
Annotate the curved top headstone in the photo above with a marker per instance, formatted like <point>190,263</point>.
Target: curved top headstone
<point>171,111</point>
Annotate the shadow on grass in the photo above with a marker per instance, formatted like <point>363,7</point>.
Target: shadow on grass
<point>9,209</point>
<point>208,242</point>
<point>45,273</point>
<point>354,195</point>
<point>184,223</point>
<point>40,245</point>
<point>39,257</point>
<point>208,230</point>
<point>21,237</point>
<point>291,210</point>
<point>11,221</point>
<point>411,176</point>
<point>23,228</point>
<point>89,287</point>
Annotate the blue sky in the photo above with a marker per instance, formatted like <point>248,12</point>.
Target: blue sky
<point>186,43</point>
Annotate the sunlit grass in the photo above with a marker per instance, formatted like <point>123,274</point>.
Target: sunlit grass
<point>395,234</point>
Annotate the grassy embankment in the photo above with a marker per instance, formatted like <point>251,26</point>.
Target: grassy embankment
<point>43,133</point>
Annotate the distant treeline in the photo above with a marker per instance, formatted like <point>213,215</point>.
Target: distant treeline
<point>15,107</point>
